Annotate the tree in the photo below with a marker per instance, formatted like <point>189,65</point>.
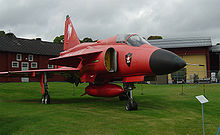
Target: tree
<point>87,39</point>
<point>59,39</point>
<point>154,37</point>
<point>2,33</point>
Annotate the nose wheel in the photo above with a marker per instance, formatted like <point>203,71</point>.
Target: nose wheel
<point>127,95</point>
<point>131,105</point>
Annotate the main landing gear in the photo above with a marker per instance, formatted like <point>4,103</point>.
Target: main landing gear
<point>127,95</point>
<point>45,99</point>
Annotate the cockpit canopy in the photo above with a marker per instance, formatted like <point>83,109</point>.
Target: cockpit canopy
<point>131,39</point>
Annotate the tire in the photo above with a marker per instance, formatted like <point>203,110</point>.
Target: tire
<point>43,99</point>
<point>128,106</point>
<point>47,99</point>
<point>131,105</point>
<point>134,105</point>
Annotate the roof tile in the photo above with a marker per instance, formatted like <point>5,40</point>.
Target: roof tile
<point>31,46</point>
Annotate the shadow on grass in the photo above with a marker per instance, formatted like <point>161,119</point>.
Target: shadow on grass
<point>69,100</point>
<point>146,102</point>
<point>156,103</point>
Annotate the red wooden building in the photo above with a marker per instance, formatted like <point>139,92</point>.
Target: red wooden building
<point>26,54</point>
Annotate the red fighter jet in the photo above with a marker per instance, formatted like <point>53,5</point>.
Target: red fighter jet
<point>125,57</point>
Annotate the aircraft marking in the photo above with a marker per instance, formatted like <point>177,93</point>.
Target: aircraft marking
<point>128,59</point>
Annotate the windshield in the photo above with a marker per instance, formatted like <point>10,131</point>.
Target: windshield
<point>136,40</point>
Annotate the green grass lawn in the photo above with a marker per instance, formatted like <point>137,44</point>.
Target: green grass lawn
<point>161,111</point>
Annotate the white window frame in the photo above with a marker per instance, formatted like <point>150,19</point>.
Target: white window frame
<point>19,59</point>
<point>50,66</point>
<point>32,64</point>
<point>23,67</point>
<point>13,65</point>
<point>30,56</point>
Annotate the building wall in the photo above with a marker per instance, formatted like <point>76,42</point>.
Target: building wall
<point>3,61</point>
<point>6,65</point>
<point>200,69</point>
<point>3,64</point>
<point>197,56</point>
<point>195,51</point>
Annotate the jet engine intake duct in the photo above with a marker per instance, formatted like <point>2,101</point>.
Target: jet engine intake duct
<point>111,60</point>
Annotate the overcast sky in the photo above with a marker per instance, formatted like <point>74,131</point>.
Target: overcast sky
<point>100,19</point>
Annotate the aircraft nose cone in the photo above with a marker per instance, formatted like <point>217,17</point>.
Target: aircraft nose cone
<point>165,62</point>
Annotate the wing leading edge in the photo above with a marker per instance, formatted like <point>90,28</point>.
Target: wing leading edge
<point>70,60</point>
<point>32,72</point>
<point>73,59</point>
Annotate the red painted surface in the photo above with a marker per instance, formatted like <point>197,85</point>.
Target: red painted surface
<point>42,83</point>
<point>105,90</point>
<point>6,65</point>
<point>139,65</point>
<point>70,37</point>
<point>133,79</point>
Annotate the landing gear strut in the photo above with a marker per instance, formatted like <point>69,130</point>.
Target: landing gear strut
<point>131,104</point>
<point>45,99</point>
<point>126,94</point>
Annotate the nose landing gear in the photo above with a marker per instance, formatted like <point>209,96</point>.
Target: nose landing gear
<point>127,95</point>
<point>131,105</point>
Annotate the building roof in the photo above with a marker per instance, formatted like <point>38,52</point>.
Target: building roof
<point>182,42</point>
<point>10,43</point>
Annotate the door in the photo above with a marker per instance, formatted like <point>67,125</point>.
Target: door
<point>24,67</point>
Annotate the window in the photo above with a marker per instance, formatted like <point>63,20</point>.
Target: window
<point>122,37</point>
<point>33,64</point>
<point>131,39</point>
<point>50,66</point>
<point>30,57</point>
<point>24,66</point>
<point>135,40</point>
<point>15,64</point>
<point>18,57</point>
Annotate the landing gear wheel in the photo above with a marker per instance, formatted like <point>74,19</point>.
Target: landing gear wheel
<point>123,96</point>
<point>131,105</point>
<point>42,99</point>
<point>45,99</point>
<point>128,88</point>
